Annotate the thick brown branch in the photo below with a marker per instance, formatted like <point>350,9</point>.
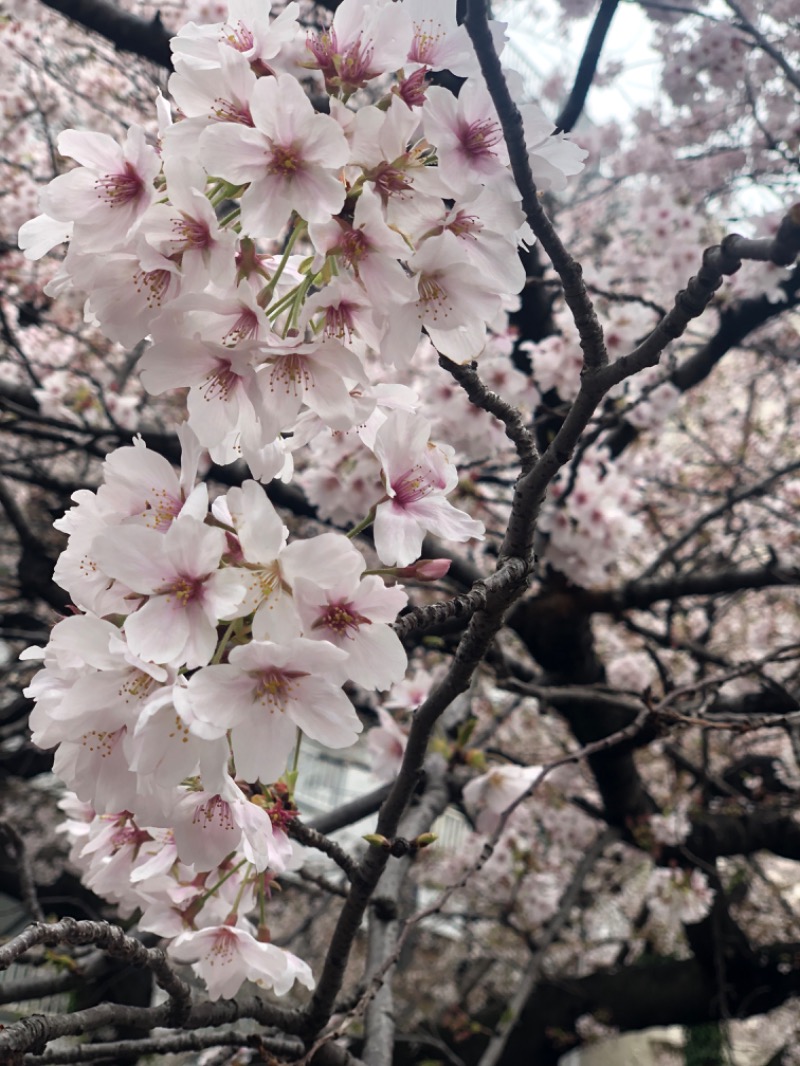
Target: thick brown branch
<point>128,33</point>
<point>587,68</point>
<point>578,301</point>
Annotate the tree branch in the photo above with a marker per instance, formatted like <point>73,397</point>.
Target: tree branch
<point>572,109</point>
<point>586,321</point>
<point>128,33</point>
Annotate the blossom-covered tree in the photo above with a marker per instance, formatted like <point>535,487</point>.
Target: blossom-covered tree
<point>375,402</point>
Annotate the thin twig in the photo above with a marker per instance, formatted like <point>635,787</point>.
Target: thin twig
<point>466,375</point>
<point>312,838</point>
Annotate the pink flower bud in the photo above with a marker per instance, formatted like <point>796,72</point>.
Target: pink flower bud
<point>425,569</point>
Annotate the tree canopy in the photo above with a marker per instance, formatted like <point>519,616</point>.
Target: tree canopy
<point>362,410</point>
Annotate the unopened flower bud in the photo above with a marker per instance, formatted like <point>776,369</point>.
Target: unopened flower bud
<point>377,840</point>
<point>424,839</point>
<point>475,759</point>
<point>425,569</point>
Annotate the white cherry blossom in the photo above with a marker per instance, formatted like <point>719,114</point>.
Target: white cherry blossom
<point>225,956</point>
<point>290,159</point>
<point>186,592</point>
<point>418,475</point>
<point>265,693</point>
<point>107,195</point>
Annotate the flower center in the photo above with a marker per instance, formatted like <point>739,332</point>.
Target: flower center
<point>323,48</point>
<point>137,687</point>
<point>120,189</point>
<point>464,225</point>
<point>101,741</point>
<point>342,619</point>
<point>220,382</point>
<point>186,590</point>
<point>231,111</point>
<point>339,321</point>
<point>215,811</point>
<point>191,233</point>
<point>433,297</point>
<point>479,138</point>
<point>427,35</point>
<point>354,67</point>
<point>354,245</point>
<point>285,161</point>
<point>275,687</point>
<point>244,328</point>
<point>154,284</point>
<point>225,947</point>
<point>239,37</point>
<point>415,484</point>
<point>293,372</point>
<point>412,89</point>
<point>389,178</point>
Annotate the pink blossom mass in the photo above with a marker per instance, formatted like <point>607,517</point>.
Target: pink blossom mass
<point>400,496</point>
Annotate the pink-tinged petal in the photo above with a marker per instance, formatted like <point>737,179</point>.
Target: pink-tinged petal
<point>324,713</point>
<point>264,846</point>
<point>158,631</point>
<point>326,560</point>
<point>134,555</point>
<point>205,830</point>
<point>280,108</point>
<point>379,602</point>
<point>70,196</point>
<point>193,548</point>
<point>37,236</point>
<point>266,207</point>
<point>398,537</point>
<point>224,593</point>
<point>262,744</point>
<point>465,342</point>
<point>201,640</point>
<point>95,150</point>
<point>233,152</point>
<point>316,194</point>
<point>161,744</point>
<point>276,619</point>
<point>174,364</point>
<point>403,434</point>
<point>219,697</point>
<point>377,657</point>
<point>438,515</point>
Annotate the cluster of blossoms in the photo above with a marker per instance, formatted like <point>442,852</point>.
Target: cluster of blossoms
<point>588,515</point>
<point>205,645</point>
<point>677,896</point>
<point>280,263</point>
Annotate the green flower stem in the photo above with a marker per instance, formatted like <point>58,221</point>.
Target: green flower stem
<point>210,892</point>
<point>362,525</point>
<point>266,293</point>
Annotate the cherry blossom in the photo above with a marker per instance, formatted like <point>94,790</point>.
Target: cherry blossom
<point>107,195</point>
<point>186,592</point>
<point>225,956</point>
<point>290,158</point>
<point>354,616</point>
<point>491,794</point>
<point>265,693</point>
<point>418,475</point>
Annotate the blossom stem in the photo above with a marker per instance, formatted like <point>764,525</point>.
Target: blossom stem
<point>226,636</point>
<point>232,215</point>
<point>240,893</point>
<point>297,303</point>
<point>296,759</point>
<point>210,892</point>
<point>266,293</point>
<point>362,525</point>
